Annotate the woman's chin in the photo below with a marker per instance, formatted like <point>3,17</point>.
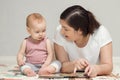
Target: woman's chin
<point>68,39</point>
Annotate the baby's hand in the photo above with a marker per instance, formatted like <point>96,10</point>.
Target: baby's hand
<point>80,64</point>
<point>43,66</point>
<point>21,63</point>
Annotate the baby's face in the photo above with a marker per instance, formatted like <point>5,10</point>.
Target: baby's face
<point>37,30</point>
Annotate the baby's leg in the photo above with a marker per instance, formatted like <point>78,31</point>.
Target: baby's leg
<point>27,70</point>
<point>47,70</point>
<point>54,67</point>
<point>51,69</point>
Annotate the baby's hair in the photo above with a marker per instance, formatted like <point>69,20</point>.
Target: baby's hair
<point>34,16</point>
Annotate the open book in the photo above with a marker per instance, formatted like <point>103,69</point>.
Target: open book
<point>65,75</point>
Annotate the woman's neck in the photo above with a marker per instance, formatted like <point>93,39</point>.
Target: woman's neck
<point>82,41</point>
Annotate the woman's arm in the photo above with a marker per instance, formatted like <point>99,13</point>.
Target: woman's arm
<point>105,66</point>
<point>62,56</point>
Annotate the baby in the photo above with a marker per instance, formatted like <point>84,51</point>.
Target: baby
<point>37,49</point>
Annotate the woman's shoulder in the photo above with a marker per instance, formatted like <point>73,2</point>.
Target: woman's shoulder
<point>100,28</point>
<point>102,36</point>
<point>101,31</point>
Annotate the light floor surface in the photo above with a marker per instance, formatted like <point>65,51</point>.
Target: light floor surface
<point>8,65</point>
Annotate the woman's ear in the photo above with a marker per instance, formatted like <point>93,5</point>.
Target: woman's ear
<point>79,32</point>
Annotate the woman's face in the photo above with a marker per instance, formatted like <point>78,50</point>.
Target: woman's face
<point>68,32</point>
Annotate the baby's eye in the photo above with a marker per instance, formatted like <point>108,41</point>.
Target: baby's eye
<point>44,30</point>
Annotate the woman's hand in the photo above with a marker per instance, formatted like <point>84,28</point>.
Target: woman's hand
<point>91,71</point>
<point>80,64</point>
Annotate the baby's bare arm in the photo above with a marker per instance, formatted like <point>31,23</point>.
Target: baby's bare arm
<point>50,53</point>
<point>21,53</point>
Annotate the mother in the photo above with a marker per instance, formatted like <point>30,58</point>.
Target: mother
<point>82,43</point>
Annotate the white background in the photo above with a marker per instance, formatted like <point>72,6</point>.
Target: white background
<point>13,15</point>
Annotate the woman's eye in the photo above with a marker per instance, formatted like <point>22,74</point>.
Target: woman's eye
<point>66,29</point>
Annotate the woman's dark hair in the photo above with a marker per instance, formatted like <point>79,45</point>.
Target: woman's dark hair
<point>79,18</point>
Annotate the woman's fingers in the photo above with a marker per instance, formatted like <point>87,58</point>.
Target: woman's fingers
<point>84,62</point>
<point>78,67</point>
<point>81,64</point>
<point>87,70</point>
<point>75,69</point>
<point>90,71</point>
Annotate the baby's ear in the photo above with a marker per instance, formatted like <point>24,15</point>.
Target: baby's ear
<point>28,29</point>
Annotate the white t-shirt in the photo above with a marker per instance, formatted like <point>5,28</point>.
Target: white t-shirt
<point>91,51</point>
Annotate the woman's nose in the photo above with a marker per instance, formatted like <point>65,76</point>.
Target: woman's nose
<point>62,31</point>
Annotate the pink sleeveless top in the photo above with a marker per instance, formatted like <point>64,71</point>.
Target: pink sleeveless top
<point>36,53</point>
